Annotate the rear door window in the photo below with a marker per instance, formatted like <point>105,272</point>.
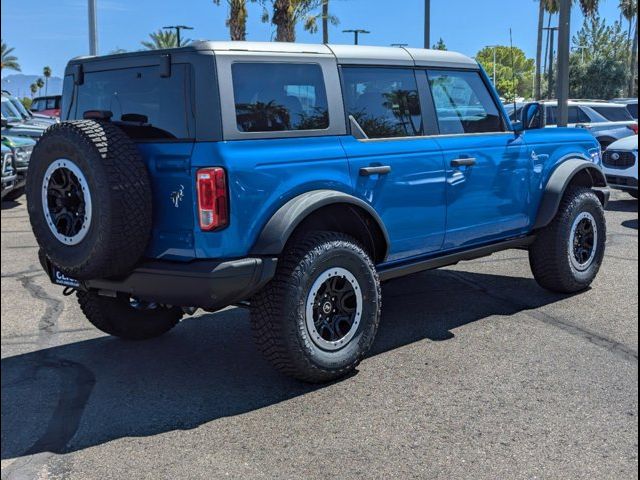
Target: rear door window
<point>145,104</point>
<point>463,103</point>
<point>576,115</point>
<point>276,97</point>
<point>384,101</point>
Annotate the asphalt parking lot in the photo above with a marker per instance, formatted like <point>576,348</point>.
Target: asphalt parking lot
<point>477,373</point>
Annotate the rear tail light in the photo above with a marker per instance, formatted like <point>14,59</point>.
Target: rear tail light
<point>633,127</point>
<point>213,201</point>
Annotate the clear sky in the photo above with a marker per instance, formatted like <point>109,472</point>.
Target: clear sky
<point>49,32</point>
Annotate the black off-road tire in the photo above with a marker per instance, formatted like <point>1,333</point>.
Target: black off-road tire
<point>278,314</point>
<point>117,317</point>
<point>549,256</point>
<point>15,194</point>
<point>120,195</point>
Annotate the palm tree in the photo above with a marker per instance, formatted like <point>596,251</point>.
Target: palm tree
<point>10,62</point>
<point>288,13</point>
<point>39,84</point>
<point>311,21</point>
<point>629,10</point>
<point>46,71</point>
<point>588,7</point>
<point>34,88</point>
<point>237,19</point>
<point>164,39</point>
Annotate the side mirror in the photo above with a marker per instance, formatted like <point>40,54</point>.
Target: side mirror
<point>532,117</point>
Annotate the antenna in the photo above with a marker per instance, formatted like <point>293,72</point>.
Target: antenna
<point>513,73</point>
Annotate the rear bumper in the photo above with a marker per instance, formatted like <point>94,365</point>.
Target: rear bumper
<point>206,284</point>
<point>620,182</point>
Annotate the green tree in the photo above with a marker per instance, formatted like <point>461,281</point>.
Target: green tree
<point>34,88</point>
<point>514,71</point>
<point>286,14</point>
<point>9,61</point>
<point>46,71</point>
<point>629,10</point>
<point>26,101</point>
<point>599,70</point>
<point>440,45</point>
<point>237,18</point>
<point>164,39</point>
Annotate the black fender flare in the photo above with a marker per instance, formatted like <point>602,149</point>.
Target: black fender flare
<point>560,179</point>
<point>282,224</point>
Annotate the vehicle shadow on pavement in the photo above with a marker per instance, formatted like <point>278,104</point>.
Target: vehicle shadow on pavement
<point>630,205</point>
<point>83,394</point>
<point>10,204</point>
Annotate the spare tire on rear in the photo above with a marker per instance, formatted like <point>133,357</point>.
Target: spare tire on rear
<point>89,199</point>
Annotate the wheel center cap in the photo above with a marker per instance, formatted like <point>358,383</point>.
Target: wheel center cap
<point>327,308</point>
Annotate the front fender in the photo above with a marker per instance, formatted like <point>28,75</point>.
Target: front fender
<point>276,233</point>
<point>557,185</point>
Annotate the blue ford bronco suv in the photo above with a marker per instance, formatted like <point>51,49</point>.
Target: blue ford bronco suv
<point>293,179</point>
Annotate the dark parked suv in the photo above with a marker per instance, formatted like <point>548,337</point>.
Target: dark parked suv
<point>293,179</point>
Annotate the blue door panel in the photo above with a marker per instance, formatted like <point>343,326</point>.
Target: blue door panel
<point>411,200</point>
<point>548,148</point>
<point>263,175</point>
<point>490,200</point>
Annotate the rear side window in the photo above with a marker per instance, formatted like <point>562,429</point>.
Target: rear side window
<point>614,114</point>
<point>146,105</point>
<point>384,101</point>
<point>275,97</point>
<point>576,115</point>
<point>632,108</point>
<point>463,103</point>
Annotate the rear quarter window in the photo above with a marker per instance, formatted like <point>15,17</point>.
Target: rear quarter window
<point>614,114</point>
<point>276,97</point>
<point>146,105</point>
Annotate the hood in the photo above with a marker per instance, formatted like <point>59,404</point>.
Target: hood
<point>17,142</point>
<point>629,143</point>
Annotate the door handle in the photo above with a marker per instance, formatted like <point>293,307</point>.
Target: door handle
<point>381,170</point>
<point>463,162</point>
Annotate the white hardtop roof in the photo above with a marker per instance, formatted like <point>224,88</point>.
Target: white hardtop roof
<point>586,103</point>
<point>351,54</point>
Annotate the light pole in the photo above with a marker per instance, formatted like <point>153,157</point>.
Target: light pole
<point>564,45</point>
<point>582,48</point>
<point>93,28</point>
<point>427,23</point>
<point>495,49</point>
<point>356,34</point>
<point>178,29</point>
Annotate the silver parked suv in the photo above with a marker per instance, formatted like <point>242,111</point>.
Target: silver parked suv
<point>607,121</point>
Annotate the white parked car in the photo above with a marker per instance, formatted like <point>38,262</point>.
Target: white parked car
<point>620,163</point>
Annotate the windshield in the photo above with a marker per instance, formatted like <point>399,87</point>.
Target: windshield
<point>9,112</point>
<point>19,107</point>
